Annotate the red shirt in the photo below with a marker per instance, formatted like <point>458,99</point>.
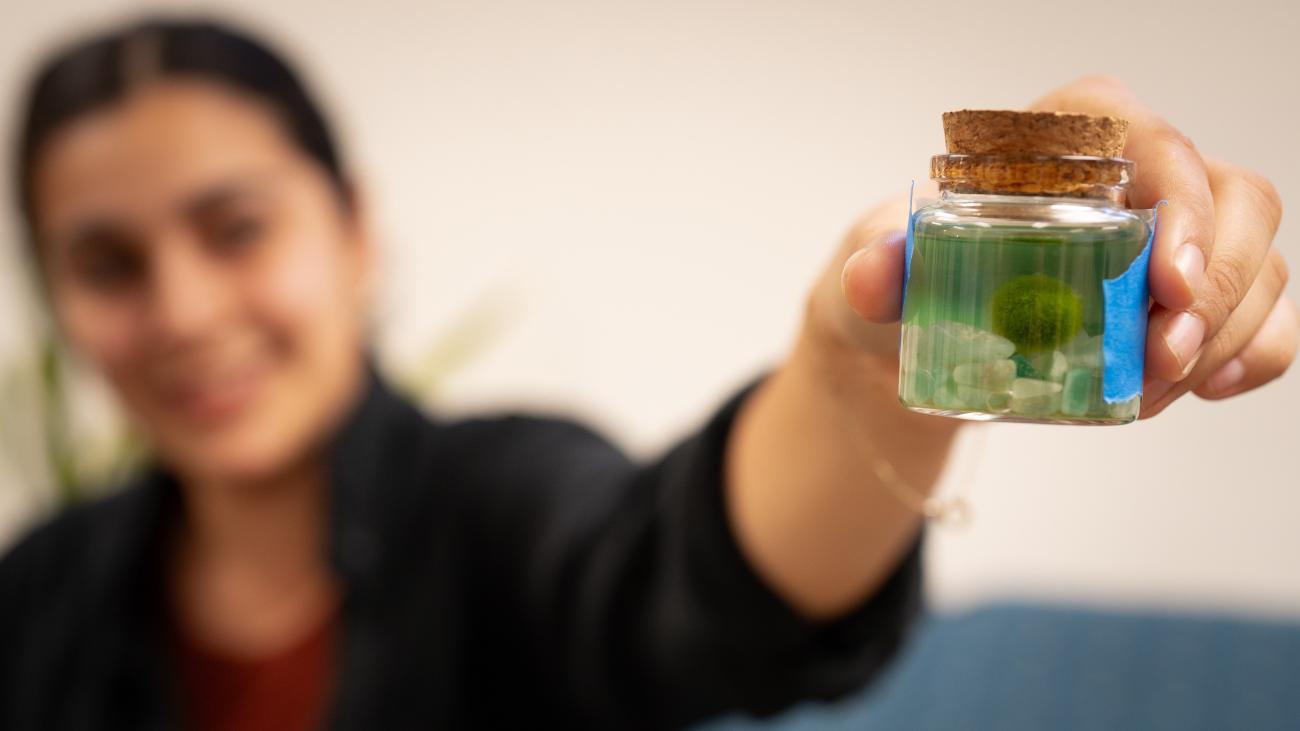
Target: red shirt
<point>288,691</point>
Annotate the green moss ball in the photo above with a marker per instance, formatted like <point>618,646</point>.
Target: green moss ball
<point>1036,312</point>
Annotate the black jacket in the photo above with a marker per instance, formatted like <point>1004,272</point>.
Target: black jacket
<point>504,571</point>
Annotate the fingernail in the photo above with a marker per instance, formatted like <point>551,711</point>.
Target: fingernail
<point>1190,261</point>
<point>1155,391</point>
<point>1183,336</point>
<point>893,241</point>
<point>1227,377</point>
<point>897,234</point>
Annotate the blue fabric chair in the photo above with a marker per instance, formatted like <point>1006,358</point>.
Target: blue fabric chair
<point>1013,667</point>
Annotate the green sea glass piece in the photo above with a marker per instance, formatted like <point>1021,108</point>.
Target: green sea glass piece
<point>1050,365</point>
<point>992,375</point>
<point>1034,397</point>
<point>1024,368</point>
<point>1081,392</point>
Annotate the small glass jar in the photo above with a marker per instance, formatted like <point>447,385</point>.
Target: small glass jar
<point>1025,296</point>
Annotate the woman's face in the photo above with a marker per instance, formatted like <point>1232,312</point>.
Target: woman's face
<point>207,267</point>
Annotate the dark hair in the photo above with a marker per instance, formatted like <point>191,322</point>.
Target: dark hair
<point>99,70</point>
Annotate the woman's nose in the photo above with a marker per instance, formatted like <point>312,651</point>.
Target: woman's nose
<point>190,293</point>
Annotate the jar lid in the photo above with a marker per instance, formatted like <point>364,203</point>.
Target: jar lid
<point>989,131</point>
<point>1033,153</point>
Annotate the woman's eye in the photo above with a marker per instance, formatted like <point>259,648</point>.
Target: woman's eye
<point>237,232</point>
<point>109,270</point>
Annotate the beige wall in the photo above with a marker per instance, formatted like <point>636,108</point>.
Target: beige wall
<point>654,187</point>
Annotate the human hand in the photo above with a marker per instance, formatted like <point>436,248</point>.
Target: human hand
<point>1221,324</point>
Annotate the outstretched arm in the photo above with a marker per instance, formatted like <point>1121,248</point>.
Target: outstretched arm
<point>806,504</point>
<point>810,513</point>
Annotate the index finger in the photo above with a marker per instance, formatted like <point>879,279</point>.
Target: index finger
<point>1168,168</point>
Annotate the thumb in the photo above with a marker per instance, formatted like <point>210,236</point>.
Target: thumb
<point>872,278</point>
<point>858,298</point>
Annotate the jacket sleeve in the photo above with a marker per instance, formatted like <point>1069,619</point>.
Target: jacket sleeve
<point>645,609</point>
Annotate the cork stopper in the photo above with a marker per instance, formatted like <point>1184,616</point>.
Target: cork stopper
<point>1033,153</point>
<point>985,132</point>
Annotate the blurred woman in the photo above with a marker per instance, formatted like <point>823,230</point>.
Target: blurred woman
<point>307,549</point>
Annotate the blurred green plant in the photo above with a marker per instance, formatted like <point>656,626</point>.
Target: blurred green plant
<point>72,471</point>
<point>45,442</point>
<point>471,333</point>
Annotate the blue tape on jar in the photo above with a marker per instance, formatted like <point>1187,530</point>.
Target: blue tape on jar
<point>907,256</point>
<point>1124,338</point>
<point>907,252</point>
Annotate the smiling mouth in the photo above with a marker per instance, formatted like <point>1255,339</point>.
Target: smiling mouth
<point>216,400</point>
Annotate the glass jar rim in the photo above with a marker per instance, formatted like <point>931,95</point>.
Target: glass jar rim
<point>1079,176</point>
